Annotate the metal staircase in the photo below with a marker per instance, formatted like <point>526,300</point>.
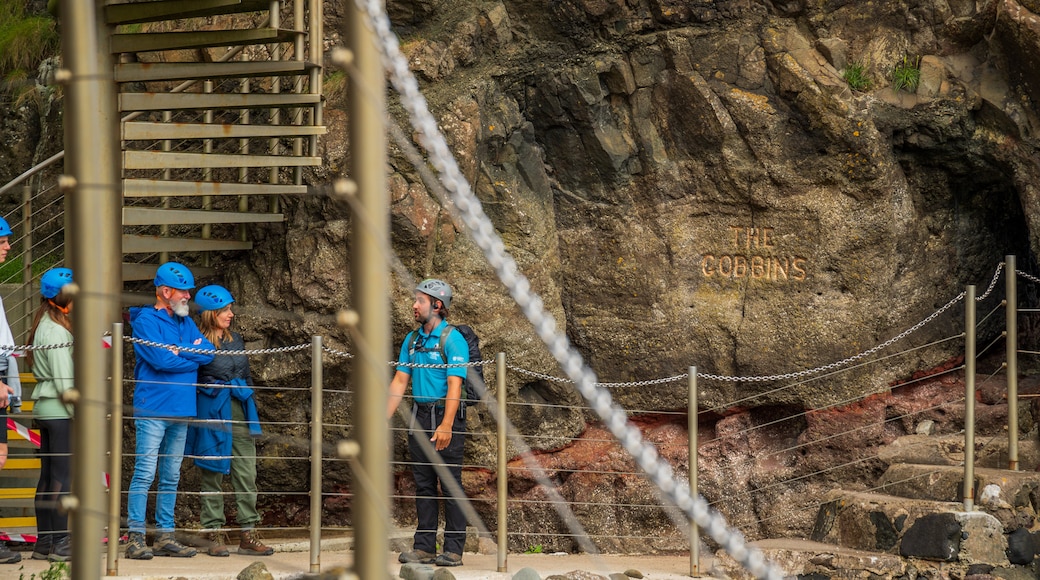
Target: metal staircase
<point>221,111</point>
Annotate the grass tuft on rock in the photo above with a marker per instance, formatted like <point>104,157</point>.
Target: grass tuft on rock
<point>907,75</point>
<point>856,76</point>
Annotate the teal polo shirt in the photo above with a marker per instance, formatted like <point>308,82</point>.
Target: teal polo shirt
<point>430,385</point>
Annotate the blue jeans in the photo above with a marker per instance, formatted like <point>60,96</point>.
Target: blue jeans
<point>160,443</point>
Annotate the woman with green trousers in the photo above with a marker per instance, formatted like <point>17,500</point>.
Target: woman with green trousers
<point>223,441</point>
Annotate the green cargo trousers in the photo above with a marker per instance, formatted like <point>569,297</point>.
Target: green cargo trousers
<point>243,479</point>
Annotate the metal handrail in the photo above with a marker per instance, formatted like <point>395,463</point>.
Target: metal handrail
<point>36,169</point>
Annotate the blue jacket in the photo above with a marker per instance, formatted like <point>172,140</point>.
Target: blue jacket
<point>210,442</point>
<point>165,381</point>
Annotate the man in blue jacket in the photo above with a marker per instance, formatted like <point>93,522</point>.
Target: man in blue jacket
<point>164,401</point>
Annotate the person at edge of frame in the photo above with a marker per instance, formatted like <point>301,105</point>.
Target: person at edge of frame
<point>437,414</point>
<point>10,385</point>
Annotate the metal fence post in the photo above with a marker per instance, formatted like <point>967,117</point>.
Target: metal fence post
<point>695,535</point>
<point>969,399</point>
<point>316,453</point>
<point>1011,342</point>
<point>371,234</point>
<point>115,451</point>
<point>92,195</point>
<point>503,470</point>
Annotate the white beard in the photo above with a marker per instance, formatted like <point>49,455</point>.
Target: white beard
<point>180,308</point>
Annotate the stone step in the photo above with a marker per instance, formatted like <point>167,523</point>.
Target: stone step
<point>805,559</point>
<point>813,560</point>
<point>995,490</point>
<point>884,523</point>
<point>949,450</point>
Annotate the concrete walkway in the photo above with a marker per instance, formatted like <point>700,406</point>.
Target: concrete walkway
<point>292,560</point>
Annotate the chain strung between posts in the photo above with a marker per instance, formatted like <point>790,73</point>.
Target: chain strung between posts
<point>221,352</point>
<point>334,352</point>
<point>553,379</point>
<point>1029,277</point>
<point>25,347</point>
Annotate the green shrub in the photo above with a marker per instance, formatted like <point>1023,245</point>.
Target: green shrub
<point>25,40</point>
<point>856,76</point>
<point>907,75</point>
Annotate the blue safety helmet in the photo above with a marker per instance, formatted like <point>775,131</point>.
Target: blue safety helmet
<point>213,297</point>
<point>174,275</point>
<point>5,228</point>
<point>53,281</point>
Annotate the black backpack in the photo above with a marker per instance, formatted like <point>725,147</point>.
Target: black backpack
<point>473,387</point>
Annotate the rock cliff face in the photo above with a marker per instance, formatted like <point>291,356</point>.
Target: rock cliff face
<point>687,183</point>
<point>697,184</point>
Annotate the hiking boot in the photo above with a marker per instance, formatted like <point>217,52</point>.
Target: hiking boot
<point>416,557</point>
<point>42,549</point>
<point>166,544</point>
<point>250,545</point>
<point>137,548</point>
<point>215,543</point>
<point>7,556</point>
<point>61,550</point>
<point>448,559</point>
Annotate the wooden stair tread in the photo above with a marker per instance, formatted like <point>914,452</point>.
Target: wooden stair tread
<point>175,160</point>
<point>140,216</point>
<point>172,71</point>
<point>179,101</point>
<point>155,41</point>
<point>148,131</point>
<point>158,10</point>
<point>139,244</point>
<point>139,271</point>
<point>160,188</point>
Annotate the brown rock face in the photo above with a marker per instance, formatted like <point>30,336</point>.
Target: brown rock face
<point>684,183</point>
<point>697,184</point>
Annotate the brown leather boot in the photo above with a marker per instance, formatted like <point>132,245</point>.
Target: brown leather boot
<point>250,545</point>
<point>215,543</point>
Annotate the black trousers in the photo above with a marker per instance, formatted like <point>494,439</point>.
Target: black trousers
<point>429,486</point>
<point>55,477</point>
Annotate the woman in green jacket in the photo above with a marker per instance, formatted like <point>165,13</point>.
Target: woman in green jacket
<point>52,368</point>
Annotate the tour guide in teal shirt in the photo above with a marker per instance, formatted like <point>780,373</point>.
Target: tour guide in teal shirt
<point>437,415</point>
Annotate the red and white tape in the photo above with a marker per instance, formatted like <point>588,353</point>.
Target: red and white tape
<point>24,431</point>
